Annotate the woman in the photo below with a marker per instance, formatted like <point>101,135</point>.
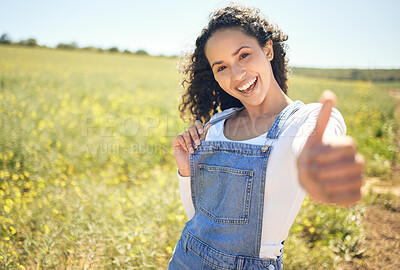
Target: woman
<point>245,173</point>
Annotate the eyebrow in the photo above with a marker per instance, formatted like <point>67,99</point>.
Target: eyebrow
<point>233,54</point>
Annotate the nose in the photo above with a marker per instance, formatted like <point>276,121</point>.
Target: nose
<point>238,73</point>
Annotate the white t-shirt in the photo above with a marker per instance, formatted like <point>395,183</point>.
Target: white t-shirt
<point>283,193</point>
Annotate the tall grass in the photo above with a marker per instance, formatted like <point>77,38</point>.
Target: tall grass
<point>87,174</point>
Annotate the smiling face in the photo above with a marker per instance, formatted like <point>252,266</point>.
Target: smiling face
<point>240,66</point>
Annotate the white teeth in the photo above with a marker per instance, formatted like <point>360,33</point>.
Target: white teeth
<point>247,85</point>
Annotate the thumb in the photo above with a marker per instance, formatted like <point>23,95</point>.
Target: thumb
<point>206,128</point>
<point>322,121</point>
<point>328,94</point>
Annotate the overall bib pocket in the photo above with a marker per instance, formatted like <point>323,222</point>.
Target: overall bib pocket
<point>225,193</point>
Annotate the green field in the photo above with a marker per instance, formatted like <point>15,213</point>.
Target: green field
<point>87,174</point>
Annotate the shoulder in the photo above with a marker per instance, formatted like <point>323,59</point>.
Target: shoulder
<point>309,113</point>
<point>306,119</point>
<point>216,131</point>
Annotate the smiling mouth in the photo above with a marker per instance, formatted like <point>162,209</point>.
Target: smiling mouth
<point>248,87</point>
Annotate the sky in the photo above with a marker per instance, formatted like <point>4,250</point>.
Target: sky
<point>324,34</point>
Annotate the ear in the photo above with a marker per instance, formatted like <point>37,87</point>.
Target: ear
<point>269,50</point>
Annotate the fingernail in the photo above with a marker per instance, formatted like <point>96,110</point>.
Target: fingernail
<point>198,142</point>
<point>201,131</point>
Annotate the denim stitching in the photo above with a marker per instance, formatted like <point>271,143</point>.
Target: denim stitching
<point>247,195</point>
<point>226,169</point>
<point>223,254</point>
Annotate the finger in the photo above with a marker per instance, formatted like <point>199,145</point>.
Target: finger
<point>199,126</point>
<point>206,128</point>
<point>195,136</point>
<point>347,198</point>
<point>188,141</point>
<point>344,185</point>
<point>179,142</point>
<point>322,121</point>
<point>340,169</point>
<point>326,154</point>
<point>328,94</point>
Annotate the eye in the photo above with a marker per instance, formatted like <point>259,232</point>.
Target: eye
<point>244,55</point>
<point>221,68</point>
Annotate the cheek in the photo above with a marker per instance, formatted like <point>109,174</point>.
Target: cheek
<point>223,81</point>
<point>265,69</point>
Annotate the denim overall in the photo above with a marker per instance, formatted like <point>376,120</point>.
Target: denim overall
<point>227,185</point>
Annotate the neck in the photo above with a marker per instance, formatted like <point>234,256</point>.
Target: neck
<point>275,101</point>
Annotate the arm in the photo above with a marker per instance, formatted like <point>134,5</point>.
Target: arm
<point>186,194</point>
<point>329,167</point>
<point>182,146</point>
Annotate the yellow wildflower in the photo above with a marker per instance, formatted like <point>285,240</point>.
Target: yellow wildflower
<point>28,185</point>
<point>46,229</point>
<point>41,125</point>
<point>9,202</point>
<point>307,222</point>
<point>12,230</point>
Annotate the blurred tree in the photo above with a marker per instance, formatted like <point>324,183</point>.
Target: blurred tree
<point>141,52</point>
<point>113,49</point>
<point>4,39</point>
<point>67,46</point>
<point>28,42</point>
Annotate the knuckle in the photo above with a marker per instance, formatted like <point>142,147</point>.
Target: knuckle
<point>330,189</point>
<point>351,144</point>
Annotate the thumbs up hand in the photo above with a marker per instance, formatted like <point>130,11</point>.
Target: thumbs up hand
<point>331,173</point>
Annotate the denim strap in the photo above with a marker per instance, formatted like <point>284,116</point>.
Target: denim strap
<point>277,127</point>
<point>275,130</point>
<point>222,117</point>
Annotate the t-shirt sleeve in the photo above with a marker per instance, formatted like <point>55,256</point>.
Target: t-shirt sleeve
<point>307,120</point>
<point>186,194</point>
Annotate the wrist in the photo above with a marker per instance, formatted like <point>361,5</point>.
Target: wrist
<point>184,173</point>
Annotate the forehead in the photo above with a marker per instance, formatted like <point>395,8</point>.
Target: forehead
<point>226,41</point>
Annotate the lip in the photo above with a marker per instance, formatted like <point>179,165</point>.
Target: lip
<point>243,83</point>
<point>251,86</point>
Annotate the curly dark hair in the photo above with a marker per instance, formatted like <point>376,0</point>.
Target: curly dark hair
<point>203,96</point>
